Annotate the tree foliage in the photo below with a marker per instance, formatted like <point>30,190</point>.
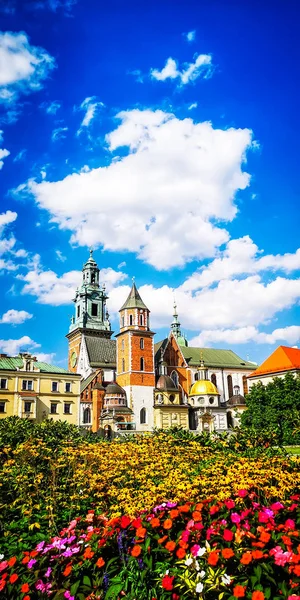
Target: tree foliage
<point>275,409</point>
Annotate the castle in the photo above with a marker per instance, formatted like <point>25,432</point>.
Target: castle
<point>131,383</point>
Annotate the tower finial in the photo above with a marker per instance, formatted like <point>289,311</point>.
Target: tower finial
<point>133,279</point>
<point>91,251</point>
<point>175,325</point>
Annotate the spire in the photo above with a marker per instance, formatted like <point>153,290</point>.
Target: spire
<point>134,299</point>
<point>202,371</point>
<point>175,325</point>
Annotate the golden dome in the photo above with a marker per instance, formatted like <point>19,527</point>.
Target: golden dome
<point>204,386</point>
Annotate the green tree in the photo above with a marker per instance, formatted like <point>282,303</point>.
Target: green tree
<point>275,409</point>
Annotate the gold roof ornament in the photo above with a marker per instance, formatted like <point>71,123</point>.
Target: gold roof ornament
<point>203,387</point>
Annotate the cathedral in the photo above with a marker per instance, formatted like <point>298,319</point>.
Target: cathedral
<point>130,383</point>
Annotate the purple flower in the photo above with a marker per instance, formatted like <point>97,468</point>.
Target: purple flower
<point>71,539</point>
<point>31,562</point>
<point>75,549</point>
<point>67,594</point>
<point>68,552</point>
<point>40,546</point>
<point>48,572</point>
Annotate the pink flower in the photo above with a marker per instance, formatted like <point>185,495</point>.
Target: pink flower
<point>40,546</point>
<point>276,506</point>
<point>242,493</point>
<point>30,564</point>
<point>194,549</point>
<point>3,565</point>
<point>185,535</point>
<point>264,515</point>
<point>190,524</point>
<point>67,594</point>
<point>290,524</point>
<point>280,557</point>
<point>68,552</point>
<point>48,572</point>
<point>235,517</point>
<point>229,504</point>
<point>293,598</point>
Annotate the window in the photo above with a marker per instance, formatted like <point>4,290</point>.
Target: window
<point>94,310</point>
<point>53,408</point>
<point>196,376</point>
<point>141,319</point>
<point>229,385</point>
<point>27,407</point>
<point>142,364</point>
<point>143,416</point>
<point>87,415</point>
<point>245,385</point>
<point>93,278</point>
<point>3,384</point>
<point>67,408</point>
<point>78,311</point>
<point>2,407</point>
<point>123,322</point>
<point>142,343</point>
<point>54,386</point>
<point>27,385</point>
<point>68,388</point>
<point>123,344</point>
<point>123,364</point>
<point>211,400</point>
<point>171,397</point>
<point>130,320</point>
<point>214,379</point>
<point>174,377</point>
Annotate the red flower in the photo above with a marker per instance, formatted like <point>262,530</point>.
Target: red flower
<point>167,583</point>
<point>137,523</point>
<point>213,558</point>
<point>26,597</point>
<point>257,595</point>
<point>227,535</point>
<point>100,562</point>
<point>2,585</point>
<point>239,591</point>
<point>25,588</point>
<point>13,578</point>
<point>257,554</point>
<point>125,521</point>
<point>67,570</point>
<point>12,561</point>
<point>136,550</point>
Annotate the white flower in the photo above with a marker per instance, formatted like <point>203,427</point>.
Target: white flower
<point>1,556</point>
<point>225,579</point>
<point>201,551</point>
<point>202,574</point>
<point>199,588</point>
<point>188,561</point>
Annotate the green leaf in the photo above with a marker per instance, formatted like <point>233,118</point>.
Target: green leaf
<point>75,587</point>
<point>86,581</point>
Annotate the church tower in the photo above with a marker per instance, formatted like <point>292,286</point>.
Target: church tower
<point>135,359</point>
<point>91,319</point>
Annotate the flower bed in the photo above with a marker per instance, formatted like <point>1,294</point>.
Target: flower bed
<point>240,547</point>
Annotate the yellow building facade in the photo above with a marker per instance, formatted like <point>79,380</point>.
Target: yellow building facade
<point>36,390</point>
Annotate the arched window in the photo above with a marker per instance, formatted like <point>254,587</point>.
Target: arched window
<point>141,320</point>
<point>196,376</point>
<point>123,344</point>
<point>123,322</point>
<point>245,385</point>
<point>130,320</point>
<point>229,386</point>
<point>174,377</point>
<point>142,364</point>
<point>142,343</point>
<point>229,420</point>
<point>214,379</point>
<point>87,415</point>
<point>93,278</point>
<point>171,397</point>
<point>123,364</point>
<point>143,416</point>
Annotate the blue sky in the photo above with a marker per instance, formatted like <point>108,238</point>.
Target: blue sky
<point>165,135</point>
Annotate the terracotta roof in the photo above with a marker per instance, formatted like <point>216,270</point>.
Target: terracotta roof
<point>282,359</point>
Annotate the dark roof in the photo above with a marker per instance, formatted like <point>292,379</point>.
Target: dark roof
<point>165,383</point>
<point>85,382</point>
<point>114,388</point>
<point>159,347</point>
<point>236,400</point>
<point>213,357</point>
<point>101,351</point>
<point>134,299</point>
<point>16,362</point>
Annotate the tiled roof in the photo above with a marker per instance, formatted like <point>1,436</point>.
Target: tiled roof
<point>134,299</point>
<point>213,357</point>
<point>85,382</point>
<point>101,351</point>
<point>15,362</point>
<point>282,359</point>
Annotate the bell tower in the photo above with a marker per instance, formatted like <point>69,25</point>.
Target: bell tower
<point>135,359</point>
<point>91,316</point>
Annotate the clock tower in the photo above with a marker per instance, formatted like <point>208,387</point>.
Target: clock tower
<point>91,319</point>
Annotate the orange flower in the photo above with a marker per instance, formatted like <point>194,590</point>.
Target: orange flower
<point>25,588</point>
<point>26,597</point>
<point>257,595</point>
<point>141,532</point>
<point>297,570</point>
<point>168,524</point>
<point>246,558</point>
<point>25,560</point>
<point>136,551</point>
<point>180,553</point>
<point>264,537</point>
<point>197,516</point>
<point>239,591</point>
<point>170,546</point>
<point>213,558</point>
<point>184,508</point>
<point>162,539</point>
<point>155,522</point>
<point>100,562</point>
<point>182,544</point>
<point>227,553</point>
<point>33,553</point>
<point>174,513</point>
<point>12,561</point>
<point>67,570</point>
<point>13,578</point>
<point>88,553</point>
<point>257,554</point>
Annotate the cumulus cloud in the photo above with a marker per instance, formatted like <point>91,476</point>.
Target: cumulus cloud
<point>190,36</point>
<point>13,347</point>
<point>90,107</point>
<point>15,317</point>
<point>136,203</point>
<point>3,154</point>
<point>59,133</point>
<point>44,357</point>
<point>201,67</point>
<point>244,335</point>
<point>23,67</point>
<point>10,255</point>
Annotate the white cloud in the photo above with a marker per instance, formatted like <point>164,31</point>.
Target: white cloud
<point>13,347</point>
<point>201,67</point>
<point>50,108</point>
<point>137,74</point>
<point>193,105</point>
<point>59,134</point>
<point>52,5</point>
<point>20,156</point>
<point>3,154</point>
<point>44,357</point>
<point>22,67</point>
<point>9,254</point>
<point>244,335</point>
<point>191,36</point>
<point>136,203</point>
<point>90,107</point>
<point>15,317</point>
<point>60,256</point>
